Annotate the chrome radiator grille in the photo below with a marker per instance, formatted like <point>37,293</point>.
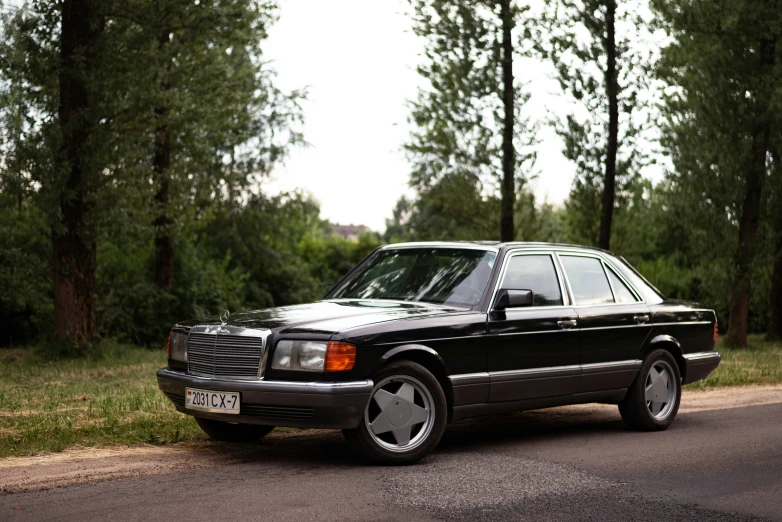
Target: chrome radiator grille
<point>217,352</point>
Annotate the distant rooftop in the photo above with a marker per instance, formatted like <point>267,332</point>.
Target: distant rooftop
<point>350,231</point>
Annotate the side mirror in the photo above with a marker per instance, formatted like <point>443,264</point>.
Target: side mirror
<point>513,299</point>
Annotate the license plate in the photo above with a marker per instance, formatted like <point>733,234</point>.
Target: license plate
<point>210,400</point>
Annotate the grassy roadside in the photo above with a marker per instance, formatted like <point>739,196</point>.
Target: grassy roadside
<point>759,363</point>
<point>54,405</point>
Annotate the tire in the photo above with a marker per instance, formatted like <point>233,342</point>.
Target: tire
<point>390,432</point>
<point>228,432</point>
<point>653,399</point>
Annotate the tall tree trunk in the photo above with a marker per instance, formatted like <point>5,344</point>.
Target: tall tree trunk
<point>73,246</point>
<point>750,211</point>
<point>164,249</point>
<point>508,151</point>
<point>774,326</point>
<point>612,91</point>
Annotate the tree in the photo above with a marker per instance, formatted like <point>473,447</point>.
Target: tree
<point>219,121</point>
<point>590,44</point>
<point>469,123</point>
<point>123,112</point>
<point>723,67</point>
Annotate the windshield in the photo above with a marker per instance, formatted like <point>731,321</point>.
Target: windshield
<point>451,276</point>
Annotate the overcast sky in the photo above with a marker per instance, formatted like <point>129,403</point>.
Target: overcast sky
<point>358,59</point>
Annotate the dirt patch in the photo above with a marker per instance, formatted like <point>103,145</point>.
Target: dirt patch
<point>79,466</point>
<point>85,465</point>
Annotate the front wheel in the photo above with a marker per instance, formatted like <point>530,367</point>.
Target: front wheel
<point>405,418</point>
<point>653,399</point>
<point>229,432</point>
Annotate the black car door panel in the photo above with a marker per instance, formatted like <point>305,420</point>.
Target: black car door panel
<point>533,351</point>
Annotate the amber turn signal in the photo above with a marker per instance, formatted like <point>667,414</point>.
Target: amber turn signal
<point>340,357</point>
<point>716,331</point>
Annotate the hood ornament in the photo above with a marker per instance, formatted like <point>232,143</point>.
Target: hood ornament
<point>224,316</point>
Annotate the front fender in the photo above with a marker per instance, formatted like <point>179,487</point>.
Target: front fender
<point>409,348</point>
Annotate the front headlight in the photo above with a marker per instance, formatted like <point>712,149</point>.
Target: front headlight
<point>314,356</point>
<point>300,355</point>
<point>178,346</point>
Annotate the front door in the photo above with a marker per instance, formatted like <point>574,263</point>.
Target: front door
<point>614,322</point>
<point>533,350</point>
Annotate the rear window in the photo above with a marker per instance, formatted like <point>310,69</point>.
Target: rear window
<point>587,279</point>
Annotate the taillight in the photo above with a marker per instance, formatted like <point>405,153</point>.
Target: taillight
<point>716,331</point>
<point>168,346</point>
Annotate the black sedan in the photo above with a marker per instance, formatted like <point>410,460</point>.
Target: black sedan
<point>419,335</point>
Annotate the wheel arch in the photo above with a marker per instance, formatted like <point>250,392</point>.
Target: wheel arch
<point>426,357</point>
<point>670,344</point>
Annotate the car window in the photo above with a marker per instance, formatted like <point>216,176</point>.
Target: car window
<point>587,280</point>
<point>451,276</point>
<point>622,294</point>
<point>536,273</point>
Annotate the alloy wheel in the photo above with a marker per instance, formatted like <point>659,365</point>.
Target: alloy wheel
<point>401,414</point>
<point>660,390</point>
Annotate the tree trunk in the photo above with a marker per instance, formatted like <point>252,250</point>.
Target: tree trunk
<point>508,151</point>
<point>73,246</point>
<point>164,249</point>
<point>774,326</point>
<point>612,91</point>
<point>750,211</point>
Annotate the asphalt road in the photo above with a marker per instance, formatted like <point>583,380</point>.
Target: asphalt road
<point>722,465</point>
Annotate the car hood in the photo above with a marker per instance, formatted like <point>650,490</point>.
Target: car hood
<point>326,317</point>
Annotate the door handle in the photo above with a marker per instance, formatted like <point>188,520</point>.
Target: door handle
<point>641,319</point>
<point>566,324</point>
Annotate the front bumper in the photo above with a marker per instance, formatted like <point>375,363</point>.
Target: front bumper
<point>328,405</point>
<point>699,365</point>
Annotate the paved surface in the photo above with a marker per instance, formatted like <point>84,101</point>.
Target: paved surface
<point>723,465</point>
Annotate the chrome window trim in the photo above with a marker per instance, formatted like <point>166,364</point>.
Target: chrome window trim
<point>434,244</point>
<point>531,252</point>
<point>607,267</point>
<point>605,263</point>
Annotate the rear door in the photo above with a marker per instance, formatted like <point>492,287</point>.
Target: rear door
<point>533,351</point>
<point>613,319</point>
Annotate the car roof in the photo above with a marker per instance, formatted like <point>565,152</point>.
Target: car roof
<point>491,245</point>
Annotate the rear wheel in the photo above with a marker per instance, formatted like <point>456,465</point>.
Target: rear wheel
<point>405,418</point>
<point>653,399</point>
<point>229,432</point>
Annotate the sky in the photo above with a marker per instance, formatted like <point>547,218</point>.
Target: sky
<point>357,59</point>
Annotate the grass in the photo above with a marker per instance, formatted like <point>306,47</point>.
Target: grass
<point>759,363</point>
<point>114,399</point>
<point>49,406</point>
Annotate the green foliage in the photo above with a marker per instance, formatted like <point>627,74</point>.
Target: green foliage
<point>574,35</point>
<point>456,147</point>
<point>271,251</point>
<point>25,273</point>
